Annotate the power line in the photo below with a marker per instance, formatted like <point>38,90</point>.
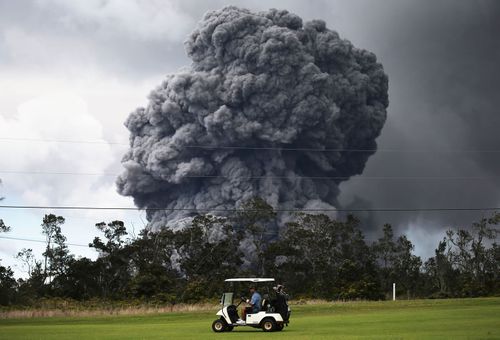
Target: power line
<point>16,139</point>
<point>222,147</point>
<point>57,173</point>
<point>339,149</point>
<point>242,210</point>
<point>352,177</point>
<point>40,241</point>
<point>269,177</point>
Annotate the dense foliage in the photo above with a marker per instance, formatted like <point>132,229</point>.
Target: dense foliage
<point>313,255</point>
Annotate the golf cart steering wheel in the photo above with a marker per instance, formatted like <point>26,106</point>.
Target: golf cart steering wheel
<point>242,299</point>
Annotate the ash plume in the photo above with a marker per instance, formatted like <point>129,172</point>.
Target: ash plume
<point>264,82</point>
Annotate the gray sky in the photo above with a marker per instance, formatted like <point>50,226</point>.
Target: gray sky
<point>75,69</point>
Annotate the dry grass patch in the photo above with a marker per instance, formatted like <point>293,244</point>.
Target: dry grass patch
<point>83,311</point>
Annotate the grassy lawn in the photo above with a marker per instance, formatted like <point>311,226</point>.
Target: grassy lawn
<point>421,319</point>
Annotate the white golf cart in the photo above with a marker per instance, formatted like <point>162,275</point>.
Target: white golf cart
<point>274,313</point>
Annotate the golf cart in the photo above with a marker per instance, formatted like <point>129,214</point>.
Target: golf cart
<point>274,313</point>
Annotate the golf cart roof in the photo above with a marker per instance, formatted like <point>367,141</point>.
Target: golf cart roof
<point>250,279</point>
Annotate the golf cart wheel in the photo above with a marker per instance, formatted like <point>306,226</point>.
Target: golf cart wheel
<point>269,325</point>
<point>219,326</point>
<point>280,326</point>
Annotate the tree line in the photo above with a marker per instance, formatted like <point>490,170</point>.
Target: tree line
<point>315,256</point>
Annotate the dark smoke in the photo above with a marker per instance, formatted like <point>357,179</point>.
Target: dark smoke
<point>257,80</point>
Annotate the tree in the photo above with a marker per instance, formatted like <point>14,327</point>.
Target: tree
<point>7,286</point>
<point>81,281</point>
<point>28,260</point>
<point>114,258</point>
<point>208,252</point>
<point>7,281</point>
<point>385,247</point>
<point>56,254</point>
<point>440,273</point>
<point>384,250</point>
<point>358,271</point>
<point>469,255</point>
<point>320,257</point>
<point>396,261</point>
<point>154,273</point>
<point>256,219</point>
<point>493,269</point>
<point>114,232</point>
<point>406,266</point>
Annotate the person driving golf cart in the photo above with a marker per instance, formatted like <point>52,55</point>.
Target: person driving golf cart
<point>255,303</point>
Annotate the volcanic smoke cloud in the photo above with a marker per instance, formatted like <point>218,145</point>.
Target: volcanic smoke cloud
<point>257,81</point>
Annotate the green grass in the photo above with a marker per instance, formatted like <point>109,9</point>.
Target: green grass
<point>420,319</point>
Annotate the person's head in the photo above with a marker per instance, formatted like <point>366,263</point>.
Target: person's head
<point>252,289</point>
<point>278,288</point>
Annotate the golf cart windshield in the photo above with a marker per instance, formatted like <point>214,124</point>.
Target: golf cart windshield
<point>227,299</point>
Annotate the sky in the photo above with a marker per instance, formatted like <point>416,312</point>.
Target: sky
<point>74,70</point>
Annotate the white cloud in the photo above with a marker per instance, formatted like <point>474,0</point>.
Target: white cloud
<point>57,116</point>
<point>149,20</point>
<point>38,51</point>
<point>62,115</point>
<point>84,104</point>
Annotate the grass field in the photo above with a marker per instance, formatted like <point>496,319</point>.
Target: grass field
<point>420,319</point>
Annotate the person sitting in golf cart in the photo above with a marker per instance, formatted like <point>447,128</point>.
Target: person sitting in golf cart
<point>280,302</point>
<point>254,302</point>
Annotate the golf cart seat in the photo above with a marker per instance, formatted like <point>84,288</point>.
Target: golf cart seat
<point>263,305</point>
